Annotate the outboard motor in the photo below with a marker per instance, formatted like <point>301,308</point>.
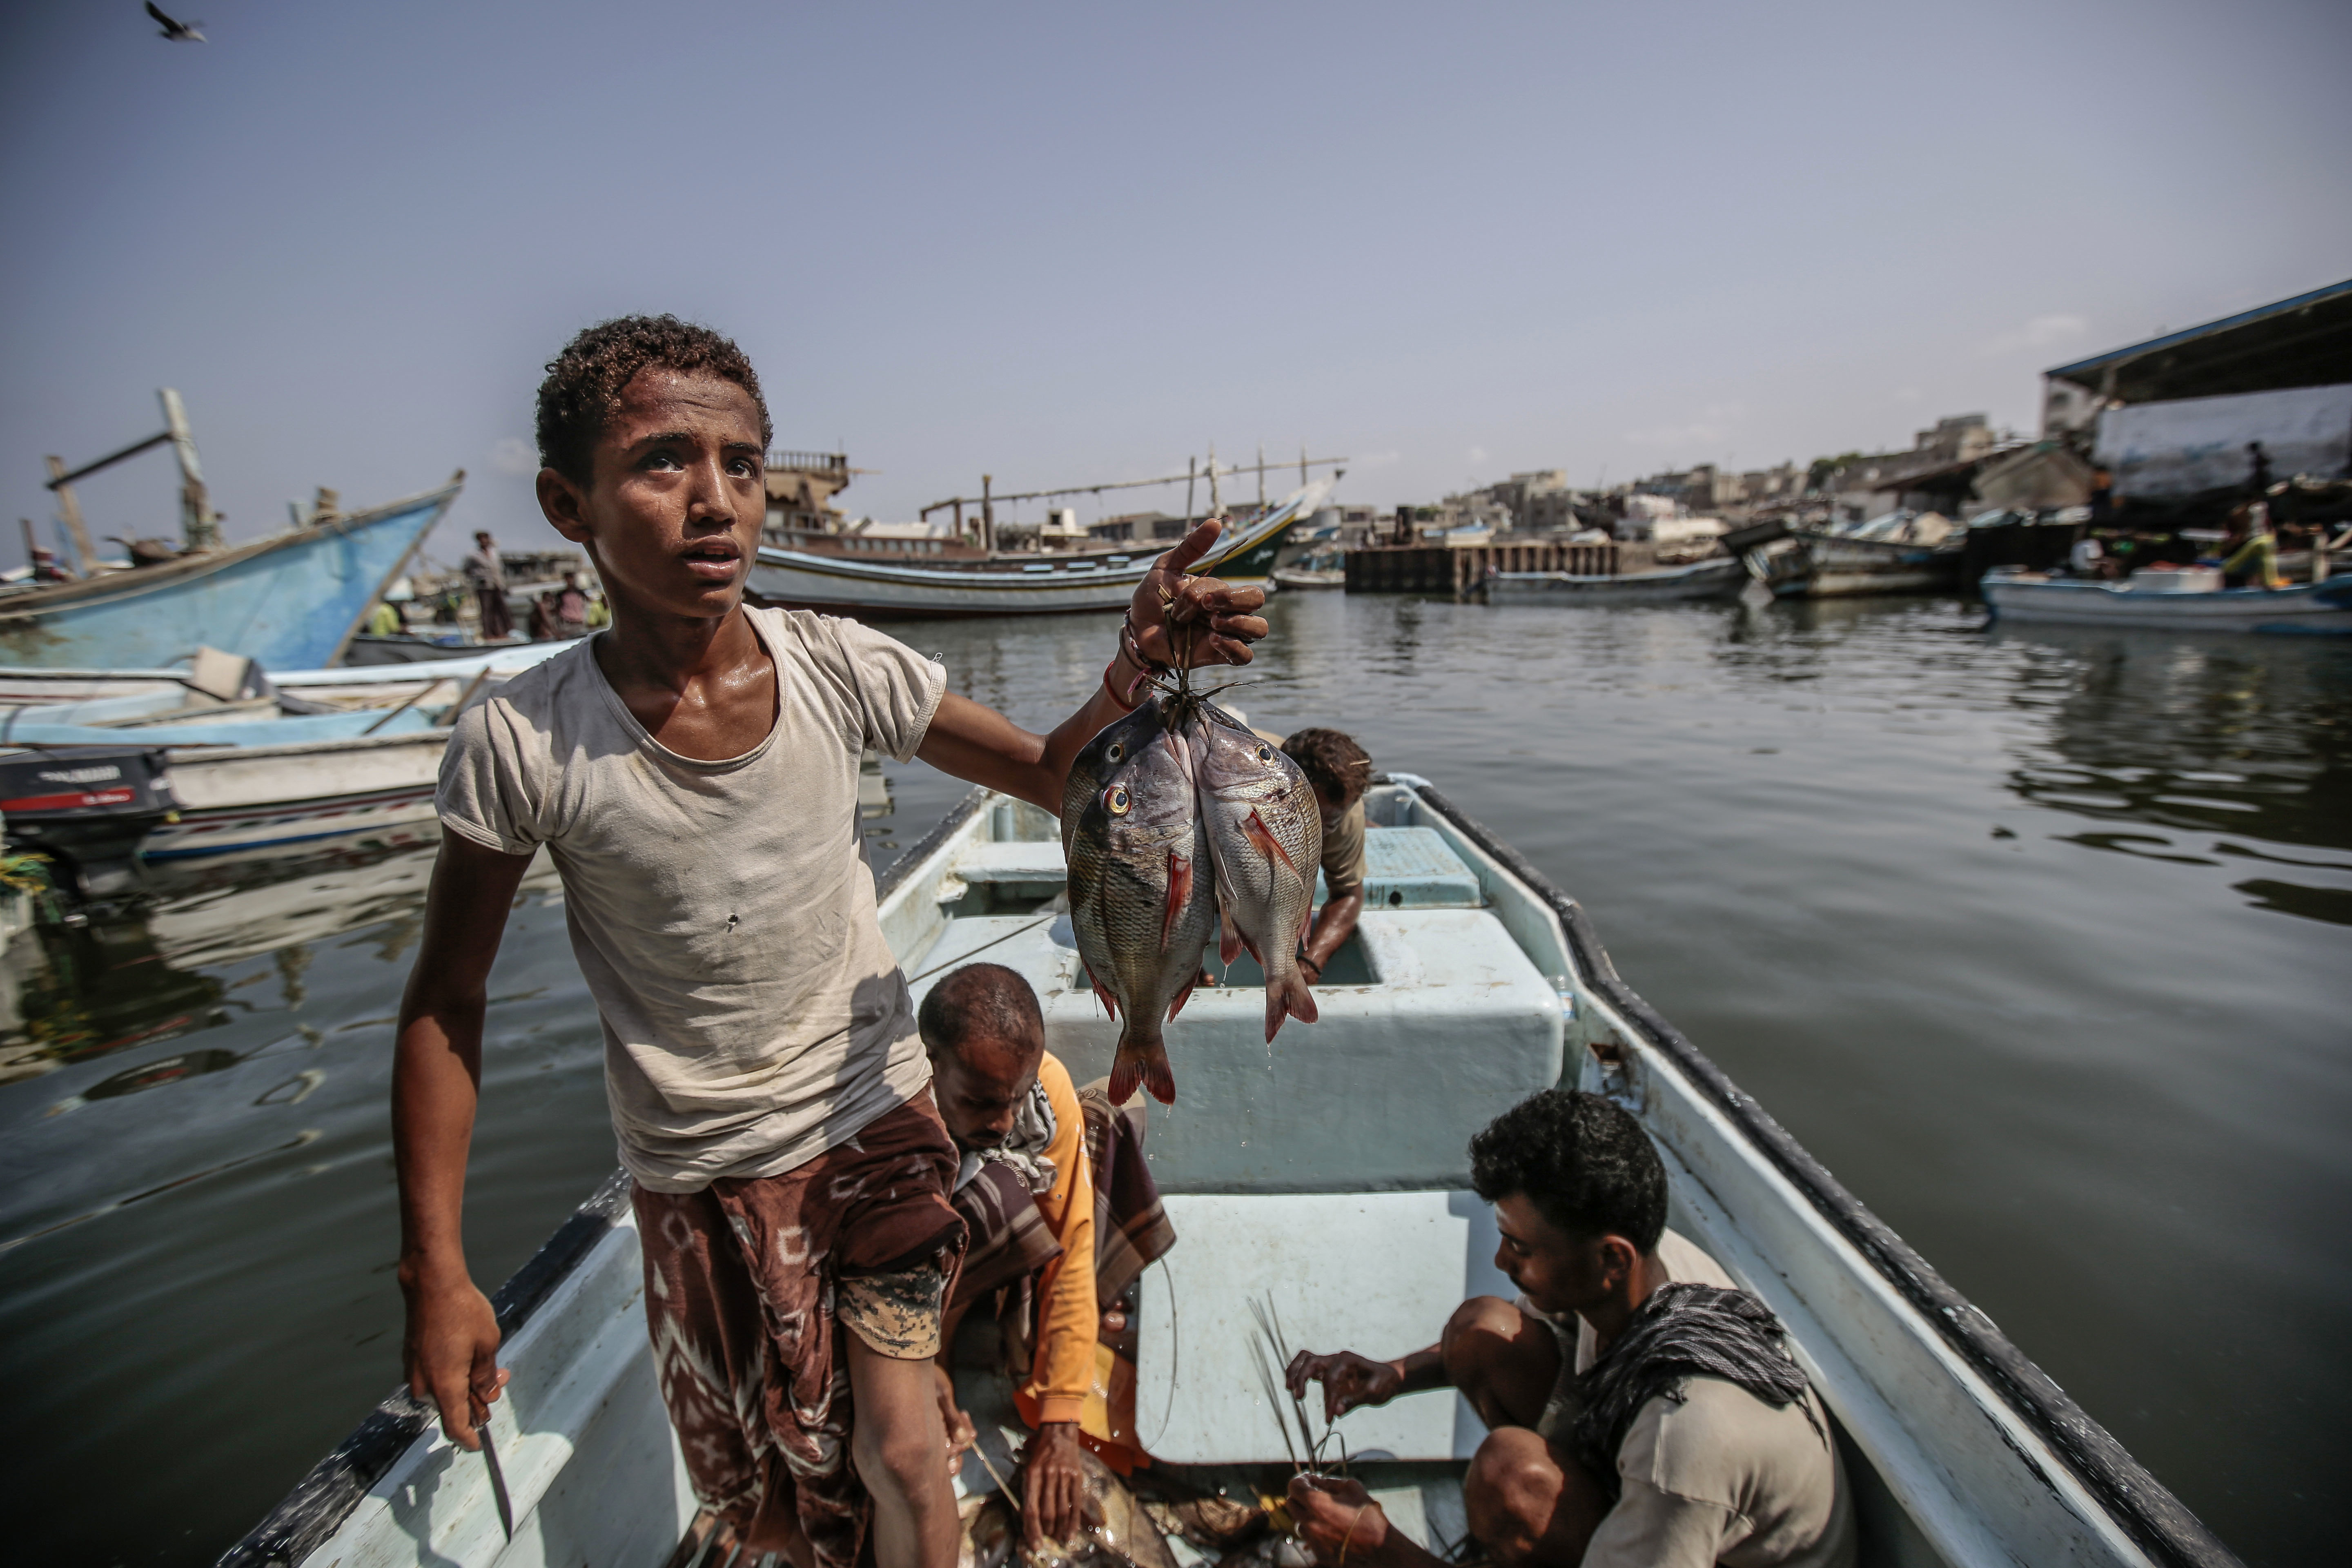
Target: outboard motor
<point>86,807</point>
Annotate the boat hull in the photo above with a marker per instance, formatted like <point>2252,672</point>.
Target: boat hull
<point>1826,567</point>
<point>291,601</point>
<point>378,790</point>
<point>847,586</point>
<point>1723,578</point>
<point>2322,609</point>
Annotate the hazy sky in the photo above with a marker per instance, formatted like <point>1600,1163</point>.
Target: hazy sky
<point>1069,243</point>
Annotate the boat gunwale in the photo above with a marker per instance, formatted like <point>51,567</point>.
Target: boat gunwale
<point>2156,1520</point>
<point>309,1514</point>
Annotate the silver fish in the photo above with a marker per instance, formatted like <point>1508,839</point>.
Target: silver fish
<point>1264,835</point>
<point>1141,897</point>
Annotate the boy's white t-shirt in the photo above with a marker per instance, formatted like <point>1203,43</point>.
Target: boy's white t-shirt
<point>753,1016</point>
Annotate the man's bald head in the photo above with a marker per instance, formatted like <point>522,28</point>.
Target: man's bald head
<point>985,1035</point>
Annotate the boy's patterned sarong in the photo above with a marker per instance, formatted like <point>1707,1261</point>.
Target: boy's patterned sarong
<point>744,1282</point>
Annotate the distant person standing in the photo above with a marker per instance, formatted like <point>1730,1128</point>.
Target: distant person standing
<point>572,608</point>
<point>2103,496</point>
<point>2258,463</point>
<point>542,618</point>
<point>487,576</point>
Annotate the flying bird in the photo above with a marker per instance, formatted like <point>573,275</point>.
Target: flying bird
<point>178,32</point>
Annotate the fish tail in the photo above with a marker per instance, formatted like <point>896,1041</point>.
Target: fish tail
<point>1141,1062</point>
<point>1288,996</point>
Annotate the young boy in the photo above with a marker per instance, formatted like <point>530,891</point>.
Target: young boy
<point>693,772</point>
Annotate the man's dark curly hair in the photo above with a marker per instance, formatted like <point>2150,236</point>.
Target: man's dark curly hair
<point>584,382</point>
<point>1332,762</point>
<point>1586,1165</point>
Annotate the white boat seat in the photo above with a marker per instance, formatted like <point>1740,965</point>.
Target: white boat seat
<point>1020,860</point>
<point>1412,868</point>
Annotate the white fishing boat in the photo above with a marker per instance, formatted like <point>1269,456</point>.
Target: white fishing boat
<point>1008,586</point>
<point>2187,601</point>
<point>122,767</point>
<point>1901,553</point>
<point>1472,983</point>
<point>1719,577</point>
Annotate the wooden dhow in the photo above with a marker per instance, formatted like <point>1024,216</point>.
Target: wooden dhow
<point>1009,584</point>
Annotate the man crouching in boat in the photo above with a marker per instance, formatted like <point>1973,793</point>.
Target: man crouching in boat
<point>1644,1411</point>
<point>1064,1217</point>
<point>693,772</point>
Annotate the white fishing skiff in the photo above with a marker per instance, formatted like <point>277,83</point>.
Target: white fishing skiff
<point>1325,1176</point>
<point>236,774</point>
<point>1720,577</point>
<point>2190,601</point>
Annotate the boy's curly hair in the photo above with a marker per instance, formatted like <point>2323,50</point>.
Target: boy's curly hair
<point>1582,1160</point>
<point>1331,760</point>
<point>584,382</point>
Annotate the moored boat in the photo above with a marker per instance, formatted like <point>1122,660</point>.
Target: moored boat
<point>1957,1450</point>
<point>292,601</point>
<point>2164,600</point>
<point>1898,553</point>
<point>1007,585</point>
<point>1719,577</point>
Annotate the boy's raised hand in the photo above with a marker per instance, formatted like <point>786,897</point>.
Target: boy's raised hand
<point>1188,621</point>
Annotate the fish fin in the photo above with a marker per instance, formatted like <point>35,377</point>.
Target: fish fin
<point>1229,936</point>
<point>1144,1063</point>
<point>1182,998</point>
<point>1180,895</point>
<point>1287,998</point>
<point>1101,996</point>
<point>1263,836</point>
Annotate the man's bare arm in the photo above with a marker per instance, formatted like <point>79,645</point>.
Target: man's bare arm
<point>451,1345</point>
<point>1333,923</point>
<point>1350,1379</point>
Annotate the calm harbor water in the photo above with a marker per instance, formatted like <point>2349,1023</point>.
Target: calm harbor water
<point>2038,940</point>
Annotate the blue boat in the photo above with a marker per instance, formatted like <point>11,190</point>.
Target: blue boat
<point>291,601</point>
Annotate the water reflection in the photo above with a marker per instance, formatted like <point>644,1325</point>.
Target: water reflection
<point>2214,742</point>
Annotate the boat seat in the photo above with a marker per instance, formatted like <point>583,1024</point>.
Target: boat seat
<point>1018,860</point>
<point>1412,868</point>
<point>1404,869</point>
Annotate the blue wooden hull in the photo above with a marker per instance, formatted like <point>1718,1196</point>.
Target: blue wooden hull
<point>292,601</point>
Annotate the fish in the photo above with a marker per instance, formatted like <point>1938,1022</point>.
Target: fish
<point>1143,902</point>
<point>1265,837</point>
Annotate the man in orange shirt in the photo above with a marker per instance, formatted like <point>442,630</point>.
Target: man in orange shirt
<point>1026,1189</point>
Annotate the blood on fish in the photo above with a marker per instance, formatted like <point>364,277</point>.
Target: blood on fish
<point>1263,836</point>
<point>1180,895</point>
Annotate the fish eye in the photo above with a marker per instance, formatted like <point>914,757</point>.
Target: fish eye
<point>1116,800</point>
<point>1116,751</point>
<point>1264,756</point>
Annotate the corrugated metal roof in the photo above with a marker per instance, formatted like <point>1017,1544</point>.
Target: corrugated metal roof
<point>2306,341</point>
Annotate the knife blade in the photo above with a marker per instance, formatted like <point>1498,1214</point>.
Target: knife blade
<point>497,1479</point>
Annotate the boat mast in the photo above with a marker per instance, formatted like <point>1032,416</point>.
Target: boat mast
<point>199,524</point>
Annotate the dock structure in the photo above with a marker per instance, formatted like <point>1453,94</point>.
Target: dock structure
<point>1461,569</point>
